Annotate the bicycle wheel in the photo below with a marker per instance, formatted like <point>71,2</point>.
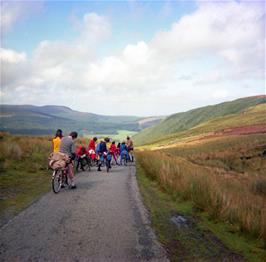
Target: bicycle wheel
<point>125,160</point>
<point>86,163</point>
<point>89,163</point>
<point>57,181</point>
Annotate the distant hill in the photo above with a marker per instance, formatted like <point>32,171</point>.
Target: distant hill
<point>42,120</point>
<point>184,121</point>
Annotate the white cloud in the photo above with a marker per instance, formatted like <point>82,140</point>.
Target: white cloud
<point>95,27</point>
<point>10,56</point>
<point>217,28</point>
<point>49,54</point>
<point>205,57</point>
<point>137,54</point>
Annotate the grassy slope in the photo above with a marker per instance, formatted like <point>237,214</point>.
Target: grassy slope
<point>184,121</point>
<point>203,152</point>
<point>254,115</point>
<point>200,179</point>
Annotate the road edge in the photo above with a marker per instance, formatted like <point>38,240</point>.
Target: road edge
<point>148,247</point>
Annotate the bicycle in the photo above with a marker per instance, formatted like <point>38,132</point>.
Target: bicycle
<point>85,163</point>
<point>108,161</point>
<point>105,159</point>
<point>59,179</point>
<point>124,158</point>
<point>94,158</point>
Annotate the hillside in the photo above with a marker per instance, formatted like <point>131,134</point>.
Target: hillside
<point>41,120</point>
<point>216,168</point>
<point>250,121</point>
<point>186,120</point>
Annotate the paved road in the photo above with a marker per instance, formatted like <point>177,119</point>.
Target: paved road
<point>102,220</point>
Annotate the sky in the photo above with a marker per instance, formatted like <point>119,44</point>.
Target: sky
<point>140,58</point>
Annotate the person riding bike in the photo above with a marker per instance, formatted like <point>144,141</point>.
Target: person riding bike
<point>123,152</point>
<point>101,150</point>
<point>82,155</point>
<point>92,149</point>
<point>67,146</point>
<point>108,154</point>
<point>108,142</point>
<point>113,151</point>
<point>92,144</point>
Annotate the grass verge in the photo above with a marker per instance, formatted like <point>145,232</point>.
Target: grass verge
<point>19,189</point>
<point>200,238</point>
<point>23,173</point>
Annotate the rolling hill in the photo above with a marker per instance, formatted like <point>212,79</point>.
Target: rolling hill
<point>173,125</point>
<point>42,120</point>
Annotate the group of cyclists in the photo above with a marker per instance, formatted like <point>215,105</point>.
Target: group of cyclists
<point>97,152</point>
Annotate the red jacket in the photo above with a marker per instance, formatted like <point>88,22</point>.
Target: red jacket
<point>81,150</point>
<point>92,145</point>
<point>113,148</point>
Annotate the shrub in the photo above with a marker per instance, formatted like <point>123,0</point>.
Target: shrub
<point>259,187</point>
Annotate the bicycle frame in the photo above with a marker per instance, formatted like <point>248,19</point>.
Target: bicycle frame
<point>105,162</point>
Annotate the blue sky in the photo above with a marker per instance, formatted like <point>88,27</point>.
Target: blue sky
<point>55,20</point>
<point>145,57</point>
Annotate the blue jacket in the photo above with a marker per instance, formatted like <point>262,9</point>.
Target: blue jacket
<point>101,147</point>
<point>123,147</point>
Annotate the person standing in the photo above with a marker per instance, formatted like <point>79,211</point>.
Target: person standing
<point>130,148</point>
<point>57,140</point>
<point>67,146</point>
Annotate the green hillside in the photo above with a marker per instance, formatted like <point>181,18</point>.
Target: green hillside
<point>254,118</point>
<point>44,120</point>
<point>183,121</point>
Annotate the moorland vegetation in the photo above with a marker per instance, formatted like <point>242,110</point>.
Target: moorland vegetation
<point>219,166</point>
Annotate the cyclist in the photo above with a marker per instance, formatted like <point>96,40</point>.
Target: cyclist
<point>108,154</point>
<point>92,149</point>
<point>92,144</point>
<point>82,155</point>
<point>113,151</point>
<point>123,152</point>
<point>56,140</point>
<point>108,142</point>
<point>101,149</point>
<point>67,146</point>
<point>130,148</point>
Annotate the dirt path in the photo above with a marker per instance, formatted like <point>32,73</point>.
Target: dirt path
<point>102,220</point>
